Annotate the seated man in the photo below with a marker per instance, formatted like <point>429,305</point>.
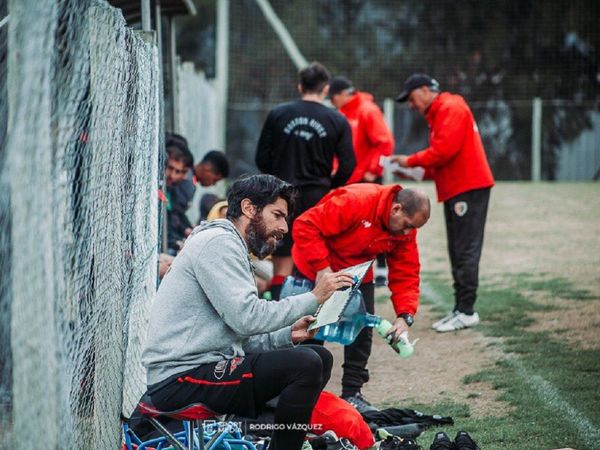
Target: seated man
<point>213,341</point>
<point>179,193</point>
<point>354,224</point>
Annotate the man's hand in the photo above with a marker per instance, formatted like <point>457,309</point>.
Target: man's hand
<point>400,159</point>
<point>164,263</point>
<point>300,332</point>
<point>321,272</point>
<point>397,329</point>
<point>329,282</point>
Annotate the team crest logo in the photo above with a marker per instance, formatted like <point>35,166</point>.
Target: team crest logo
<point>460,208</point>
<point>235,362</point>
<point>366,224</point>
<point>220,369</point>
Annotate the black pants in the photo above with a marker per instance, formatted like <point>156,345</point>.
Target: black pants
<point>465,222</point>
<point>308,196</point>
<point>242,386</point>
<point>356,355</point>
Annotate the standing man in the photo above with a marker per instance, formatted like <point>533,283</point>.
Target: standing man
<point>371,137</point>
<point>349,226</point>
<point>370,134</point>
<point>298,143</point>
<point>212,340</point>
<point>463,181</point>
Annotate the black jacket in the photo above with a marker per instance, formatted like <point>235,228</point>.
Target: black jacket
<point>299,141</point>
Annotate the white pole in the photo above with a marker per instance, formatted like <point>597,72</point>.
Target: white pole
<point>286,39</point>
<point>222,75</point>
<point>536,140</point>
<point>174,75</point>
<point>388,114</point>
<point>4,21</point>
<point>146,21</point>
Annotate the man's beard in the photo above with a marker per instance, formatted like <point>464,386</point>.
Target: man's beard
<point>258,238</point>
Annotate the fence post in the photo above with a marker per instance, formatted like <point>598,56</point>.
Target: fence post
<point>388,113</point>
<point>222,75</point>
<point>536,140</point>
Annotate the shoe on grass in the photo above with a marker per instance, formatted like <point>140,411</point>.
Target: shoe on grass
<point>458,322</point>
<point>441,441</point>
<point>444,319</point>
<point>463,441</point>
<point>398,443</point>
<point>359,401</point>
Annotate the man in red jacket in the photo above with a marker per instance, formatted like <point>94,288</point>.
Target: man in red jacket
<point>371,137</point>
<point>463,179</point>
<point>349,226</point>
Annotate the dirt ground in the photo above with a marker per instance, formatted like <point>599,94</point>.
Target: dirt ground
<point>551,230</point>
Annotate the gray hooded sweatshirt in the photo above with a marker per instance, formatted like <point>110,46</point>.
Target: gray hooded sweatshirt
<point>207,307</point>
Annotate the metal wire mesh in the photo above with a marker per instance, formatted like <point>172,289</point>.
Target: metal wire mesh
<point>80,168</point>
<point>498,55</point>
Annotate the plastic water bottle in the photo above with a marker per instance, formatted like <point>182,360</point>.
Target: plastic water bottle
<point>354,318</point>
<point>403,347</point>
<point>295,286</point>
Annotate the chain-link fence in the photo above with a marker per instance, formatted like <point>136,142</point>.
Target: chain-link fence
<point>499,56</point>
<point>78,196</point>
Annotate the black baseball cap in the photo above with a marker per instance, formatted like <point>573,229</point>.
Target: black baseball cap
<point>339,84</point>
<point>416,80</point>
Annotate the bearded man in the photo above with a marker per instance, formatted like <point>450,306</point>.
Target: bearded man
<point>212,340</point>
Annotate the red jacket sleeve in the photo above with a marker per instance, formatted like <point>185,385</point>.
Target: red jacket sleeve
<point>446,138</point>
<point>380,139</point>
<point>317,224</point>
<point>403,275</point>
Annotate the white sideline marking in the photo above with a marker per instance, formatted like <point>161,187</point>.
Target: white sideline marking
<point>431,294</point>
<point>551,396</point>
<point>4,21</point>
<point>544,389</point>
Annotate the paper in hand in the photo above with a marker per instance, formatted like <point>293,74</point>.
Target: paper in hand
<point>332,309</point>
<point>416,173</point>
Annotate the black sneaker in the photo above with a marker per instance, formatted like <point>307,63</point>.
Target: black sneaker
<point>441,442</point>
<point>463,441</point>
<point>398,443</point>
<point>361,404</point>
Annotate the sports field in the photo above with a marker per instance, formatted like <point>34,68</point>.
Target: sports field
<point>528,377</point>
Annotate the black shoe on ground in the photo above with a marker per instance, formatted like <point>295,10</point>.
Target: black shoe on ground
<point>359,402</point>
<point>463,441</point>
<point>441,442</point>
<point>398,443</point>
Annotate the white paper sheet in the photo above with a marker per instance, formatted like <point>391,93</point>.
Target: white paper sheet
<point>332,309</point>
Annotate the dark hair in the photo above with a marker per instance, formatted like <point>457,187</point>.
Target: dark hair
<point>207,201</point>
<point>176,140</point>
<point>261,190</point>
<point>412,201</point>
<point>313,78</point>
<point>178,153</point>
<point>218,161</point>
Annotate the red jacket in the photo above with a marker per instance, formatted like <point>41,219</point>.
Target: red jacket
<point>349,226</point>
<point>455,151</point>
<point>371,136</point>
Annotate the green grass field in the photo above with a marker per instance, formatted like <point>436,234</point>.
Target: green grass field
<point>540,301</point>
<point>528,377</point>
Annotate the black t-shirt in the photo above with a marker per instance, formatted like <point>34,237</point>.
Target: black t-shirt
<point>299,141</point>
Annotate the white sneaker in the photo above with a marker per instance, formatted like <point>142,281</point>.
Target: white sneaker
<point>458,322</point>
<point>445,319</point>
